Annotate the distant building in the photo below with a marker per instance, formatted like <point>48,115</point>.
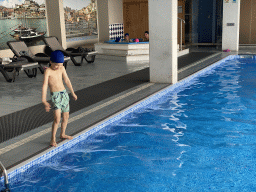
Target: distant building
<point>26,2</point>
<point>42,9</point>
<point>68,16</point>
<point>26,5</point>
<point>67,9</point>
<point>33,8</point>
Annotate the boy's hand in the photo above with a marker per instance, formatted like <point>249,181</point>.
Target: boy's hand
<point>74,96</point>
<point>47,106</point>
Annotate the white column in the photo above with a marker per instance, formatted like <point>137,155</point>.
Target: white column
<point>231,23</point>
<point>56,21</point>
<point>103,20</point>
<point>163,41</point>
<point>115,11</point>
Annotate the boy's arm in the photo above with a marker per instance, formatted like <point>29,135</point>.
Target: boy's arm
<point>45,85</point>
<point>44,91</point>
<point>68,83</point>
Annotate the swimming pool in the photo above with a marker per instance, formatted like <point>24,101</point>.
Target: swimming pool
<point>198,135</point>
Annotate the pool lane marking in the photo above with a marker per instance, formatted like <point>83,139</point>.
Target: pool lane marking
<point>36,135</point>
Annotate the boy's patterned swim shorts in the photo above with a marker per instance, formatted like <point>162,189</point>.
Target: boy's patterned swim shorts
<point>60,100</point>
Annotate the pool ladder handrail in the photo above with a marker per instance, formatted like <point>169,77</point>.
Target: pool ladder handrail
<point>181,20</point>
<point>5,178</point>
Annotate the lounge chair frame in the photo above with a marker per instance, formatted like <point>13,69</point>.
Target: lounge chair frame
<point>52,44</point>
<point>20,49</point>
<point>29,68</point>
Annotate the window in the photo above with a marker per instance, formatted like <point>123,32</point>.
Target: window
<point>80,18</point>
<point>25,20</point>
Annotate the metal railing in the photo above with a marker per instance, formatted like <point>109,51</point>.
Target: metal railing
<point>181,20</point>
<point>6,183</point>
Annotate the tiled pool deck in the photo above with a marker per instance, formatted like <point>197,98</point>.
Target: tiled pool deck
<point>26,92</point>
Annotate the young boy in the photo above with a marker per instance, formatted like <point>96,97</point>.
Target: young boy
<point>146,36</point>
<point>53,77</point>
<point>127,38</point>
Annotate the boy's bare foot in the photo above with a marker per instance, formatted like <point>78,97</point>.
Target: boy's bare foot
<point>53,144</point>
<point>66,137</point>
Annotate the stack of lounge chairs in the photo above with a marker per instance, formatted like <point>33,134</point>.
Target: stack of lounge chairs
<point>25,60</point>
<point>20,49</point>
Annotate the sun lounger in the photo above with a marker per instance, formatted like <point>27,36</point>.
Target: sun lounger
<point>52,44</point>
<point>30,68</point>
<point>20,49</point>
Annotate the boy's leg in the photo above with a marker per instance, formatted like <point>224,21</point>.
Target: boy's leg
<point>57,117</point>
<point>65,116</point>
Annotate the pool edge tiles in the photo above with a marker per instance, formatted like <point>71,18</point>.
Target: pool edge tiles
<point>82,135</point>
<point>207,69</point>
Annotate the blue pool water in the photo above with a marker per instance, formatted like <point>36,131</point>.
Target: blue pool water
<point>198,137</point>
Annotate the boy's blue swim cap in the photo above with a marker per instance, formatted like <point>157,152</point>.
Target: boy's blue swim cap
<point>57,57</point>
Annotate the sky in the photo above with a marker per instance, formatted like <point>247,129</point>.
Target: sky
<point>74,4</point>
